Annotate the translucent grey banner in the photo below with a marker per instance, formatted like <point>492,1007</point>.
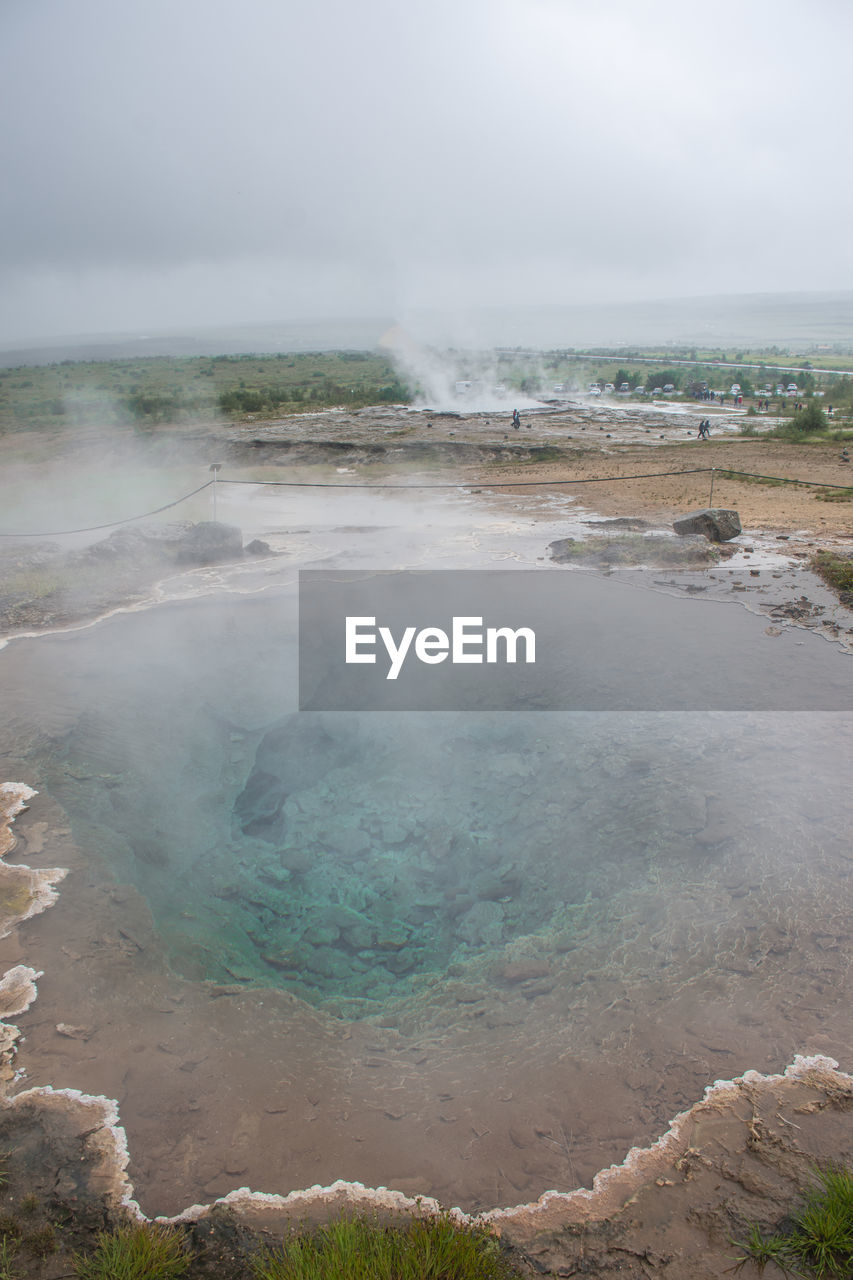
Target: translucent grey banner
<point>555,641</point>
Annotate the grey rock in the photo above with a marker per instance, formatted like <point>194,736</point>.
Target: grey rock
<point>210,542</point>
<point>718,524</point>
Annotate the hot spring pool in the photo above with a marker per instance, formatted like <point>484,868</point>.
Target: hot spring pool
<point>502,947</point>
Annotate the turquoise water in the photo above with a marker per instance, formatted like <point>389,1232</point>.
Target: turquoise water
<point>365,861</point>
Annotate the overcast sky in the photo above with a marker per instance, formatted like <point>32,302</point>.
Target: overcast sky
<point>176,163</point>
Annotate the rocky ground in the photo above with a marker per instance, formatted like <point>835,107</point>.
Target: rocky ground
<point>615,461</point>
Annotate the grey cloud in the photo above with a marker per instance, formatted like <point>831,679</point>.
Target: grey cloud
<point>386,154</point>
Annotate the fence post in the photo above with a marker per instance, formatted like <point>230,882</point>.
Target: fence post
<point>711,499</point>
<point>215,467</point>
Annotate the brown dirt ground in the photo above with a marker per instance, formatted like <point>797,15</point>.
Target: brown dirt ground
<point>617,482</point>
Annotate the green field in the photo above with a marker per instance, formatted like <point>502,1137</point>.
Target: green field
<point>145,391</point>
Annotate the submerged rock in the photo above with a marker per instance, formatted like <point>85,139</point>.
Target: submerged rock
<point>291,758</point>
<point>482,925</point>
<point>718,524</point>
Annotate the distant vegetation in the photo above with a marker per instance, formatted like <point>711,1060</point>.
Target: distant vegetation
<point>686,369</point>
<point>143,393</point>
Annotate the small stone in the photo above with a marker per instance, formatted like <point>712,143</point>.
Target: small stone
<point>75,1033</point>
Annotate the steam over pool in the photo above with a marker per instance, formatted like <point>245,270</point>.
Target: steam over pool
<point>663,897</point>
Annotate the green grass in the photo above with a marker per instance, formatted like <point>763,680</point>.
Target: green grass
<point>835,570</point>
<point>822,1238</point>
<point>760,1249</point>
<point>354,1248</point>
<point>8,1250</point>
<point>770,482</point>
<point>142,1251</point>
<point>834,495</point>
<point>818,1239</point>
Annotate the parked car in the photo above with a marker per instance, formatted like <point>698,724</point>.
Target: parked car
<point>624,388</point>
<point>594,390</point>
<point>668,389</point>
<point>608,387</point>
<point>639,391</point>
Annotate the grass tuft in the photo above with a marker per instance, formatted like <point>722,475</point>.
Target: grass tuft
<point>819,1239</point>
<point>835,570</point>
<point>136,1252</point>
<point>760,1249</point>
<point>834,495</point>
<point>42,1241</point>
<point>8,1249</point>
<point>823,1230</point>
<point>356,1248</point>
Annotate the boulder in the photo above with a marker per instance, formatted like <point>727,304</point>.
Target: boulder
<point>210,542</point>
<point>717,523</point>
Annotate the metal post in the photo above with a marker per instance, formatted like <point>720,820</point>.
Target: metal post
<point>711,499</point>
<point>215,467</point>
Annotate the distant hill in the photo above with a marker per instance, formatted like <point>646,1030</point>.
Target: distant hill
<point>260,339</point>
<point>789,320</point>
<point>798,320</point>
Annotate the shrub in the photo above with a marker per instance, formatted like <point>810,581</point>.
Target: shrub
<point>812,418</point>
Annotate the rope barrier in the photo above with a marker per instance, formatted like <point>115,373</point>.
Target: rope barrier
<point>469,484</point>
<point>463,484</point>
<point>96,528</point>
<point>753,475</point>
